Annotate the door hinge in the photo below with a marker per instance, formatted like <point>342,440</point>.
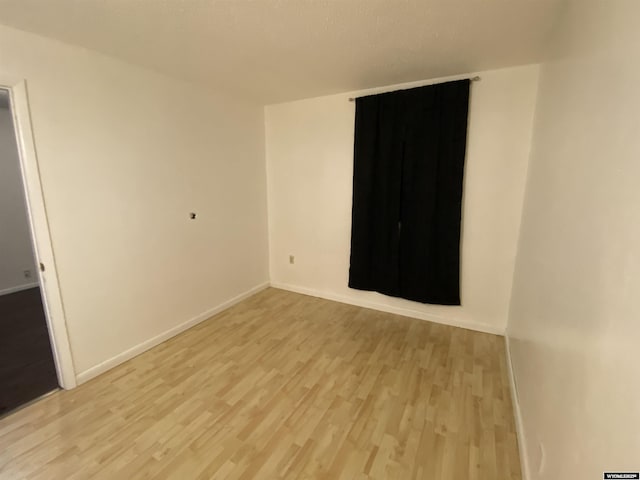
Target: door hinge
<point>42,267</point>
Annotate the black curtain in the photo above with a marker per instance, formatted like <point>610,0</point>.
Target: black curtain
<point>407,192</point>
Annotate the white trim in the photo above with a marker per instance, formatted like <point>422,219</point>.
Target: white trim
<point>41,236</point>
<point>19,288</point>
<point>522,445</point>
<point>406,312</point>
<point>158,339</point>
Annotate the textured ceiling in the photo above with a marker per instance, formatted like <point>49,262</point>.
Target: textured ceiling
<point>278,50</point>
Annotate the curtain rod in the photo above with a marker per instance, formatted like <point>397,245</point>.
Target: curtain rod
<point>472,79</point>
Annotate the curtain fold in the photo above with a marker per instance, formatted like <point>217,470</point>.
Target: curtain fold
<point>409,152</point>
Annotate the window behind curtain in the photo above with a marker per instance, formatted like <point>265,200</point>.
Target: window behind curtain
<point>409,156</point>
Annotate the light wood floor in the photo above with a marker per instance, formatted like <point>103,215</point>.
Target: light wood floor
<point>282,386</point>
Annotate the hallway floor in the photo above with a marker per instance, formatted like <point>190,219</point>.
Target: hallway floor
<point>27,370</point>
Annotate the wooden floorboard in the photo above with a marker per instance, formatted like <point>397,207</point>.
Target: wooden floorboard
<point>282,386</point>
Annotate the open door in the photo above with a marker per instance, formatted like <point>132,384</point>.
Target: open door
<point>27,367</point>
<point>38,344</point>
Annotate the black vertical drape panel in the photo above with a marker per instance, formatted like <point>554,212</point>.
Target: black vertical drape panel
<point>407,192</point>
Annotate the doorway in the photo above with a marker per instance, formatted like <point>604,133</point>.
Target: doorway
<point>27,366</point>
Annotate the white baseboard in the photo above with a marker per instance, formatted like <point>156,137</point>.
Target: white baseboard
<point>158,339</point>
<point>406,312</point>
<point>19,288</point>
<point>522,445</point>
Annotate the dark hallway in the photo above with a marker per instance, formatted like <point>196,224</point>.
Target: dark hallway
<point>27,369</point>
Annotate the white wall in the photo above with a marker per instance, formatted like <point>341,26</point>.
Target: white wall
<point>575,319</point>
<point>125,154</point>
<point>310,168</point>
<point>16,254</point>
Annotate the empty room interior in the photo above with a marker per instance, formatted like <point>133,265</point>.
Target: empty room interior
<point>319,239</point>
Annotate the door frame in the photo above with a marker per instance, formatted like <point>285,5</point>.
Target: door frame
<point>40,232</point>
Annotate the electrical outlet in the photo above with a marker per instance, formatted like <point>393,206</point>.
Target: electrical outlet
<point>27,274</point>
<point>292,259</point>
